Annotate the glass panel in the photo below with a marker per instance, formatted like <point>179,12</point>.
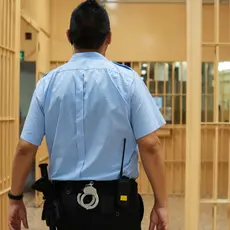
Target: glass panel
<point>210,107</point>
<point>177,109</point>
<point>207,78</point>
<point>183,76</point>
<point>160,87</point>
<point>204,77</point>
<point>168,109</point>
<point>210,77</point>
<point>159,73</point>
<point>184,87</point>
<point>224,90</point>
<point>183,109</point>
<point>152,77</point>
<point>176,78</point>
<point>151,71</point>
<point>203,118</point>
<point>152,87</point>
<point>169,80</point>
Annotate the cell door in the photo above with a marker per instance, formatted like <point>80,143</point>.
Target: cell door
<point>9,96</point>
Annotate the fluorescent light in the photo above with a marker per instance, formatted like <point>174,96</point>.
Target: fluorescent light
<point>144,64</point>
<point>143,72</point>
<point>224,66</point>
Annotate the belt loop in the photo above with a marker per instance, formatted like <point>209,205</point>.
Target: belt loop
<point>69,188</point>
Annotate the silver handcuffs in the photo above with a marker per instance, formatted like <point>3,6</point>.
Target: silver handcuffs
<point>87,191</point>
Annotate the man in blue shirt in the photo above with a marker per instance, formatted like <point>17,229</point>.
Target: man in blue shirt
<point>86,108</point>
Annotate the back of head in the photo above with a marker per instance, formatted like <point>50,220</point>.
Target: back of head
<point>89,25</point>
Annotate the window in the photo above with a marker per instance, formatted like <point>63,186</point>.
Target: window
<point>167,82</point>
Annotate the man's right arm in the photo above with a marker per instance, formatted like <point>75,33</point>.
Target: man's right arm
<point>146,119</point>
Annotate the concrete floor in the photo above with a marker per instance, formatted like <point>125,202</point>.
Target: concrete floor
<point>176,214</point>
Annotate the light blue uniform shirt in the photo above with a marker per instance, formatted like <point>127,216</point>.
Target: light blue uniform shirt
<point>86,108</point>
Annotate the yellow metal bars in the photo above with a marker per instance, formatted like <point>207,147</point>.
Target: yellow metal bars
<point>221,127</point>
<point>193,126</point>
<point>9,96</point>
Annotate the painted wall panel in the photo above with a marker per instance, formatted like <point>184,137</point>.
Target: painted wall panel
<point>142,32</point>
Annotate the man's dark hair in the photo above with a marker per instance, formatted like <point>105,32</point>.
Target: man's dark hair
<point>89,25</point>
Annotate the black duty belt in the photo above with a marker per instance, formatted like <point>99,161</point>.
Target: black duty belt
<point>91,193</point>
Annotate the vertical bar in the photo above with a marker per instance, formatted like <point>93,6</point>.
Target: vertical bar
<point>228,214</point>
<point>193,127</point>
<point>1,150</point>
<point>173,126</point>
<point>156,79</point>
<point>38,58</point>
<point>178,166</point>
<point>16,96</point>
<point>4,23</point>
<point>173,94</point>
<point>181,91</point>
<point>1,110</point>
<point>205,132</point>
<point>206,92</point>
<point>222,104</point>
<point>9,142</point>
<point>216,117</point>
<point>4,139</point>
<point>164,92</point>
<point>1,21</point>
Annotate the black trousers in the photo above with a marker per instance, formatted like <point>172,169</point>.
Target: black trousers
<point>106,216</point>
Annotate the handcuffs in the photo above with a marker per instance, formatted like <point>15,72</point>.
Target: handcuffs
<point>89,190</point>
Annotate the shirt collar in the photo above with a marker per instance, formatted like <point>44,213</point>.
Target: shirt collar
<point>93,55</point>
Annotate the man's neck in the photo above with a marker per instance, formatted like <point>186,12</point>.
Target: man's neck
<point>89,50</point>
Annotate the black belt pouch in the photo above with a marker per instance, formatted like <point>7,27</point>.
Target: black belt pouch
<point>124,192</point>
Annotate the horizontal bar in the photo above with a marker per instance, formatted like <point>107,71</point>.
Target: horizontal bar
<point>217,201</point>
<point>212,44</point>
<point>30,21</point>
<point>202,161</point>
<point>157,1</point>
<point>215,123</point>
<point>204,125</point>
<point>4,191</point>
<point>169,95</point>
<point>7,119</point>
<point>7,48</point>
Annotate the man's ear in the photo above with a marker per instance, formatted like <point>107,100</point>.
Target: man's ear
<point>68,35</point>
<point>109,38</point>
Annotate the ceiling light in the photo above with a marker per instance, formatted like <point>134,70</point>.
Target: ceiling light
<point>224,66</point>
<point>143,72</point>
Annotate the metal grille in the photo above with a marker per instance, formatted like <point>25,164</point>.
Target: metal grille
<point>9,96</point>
